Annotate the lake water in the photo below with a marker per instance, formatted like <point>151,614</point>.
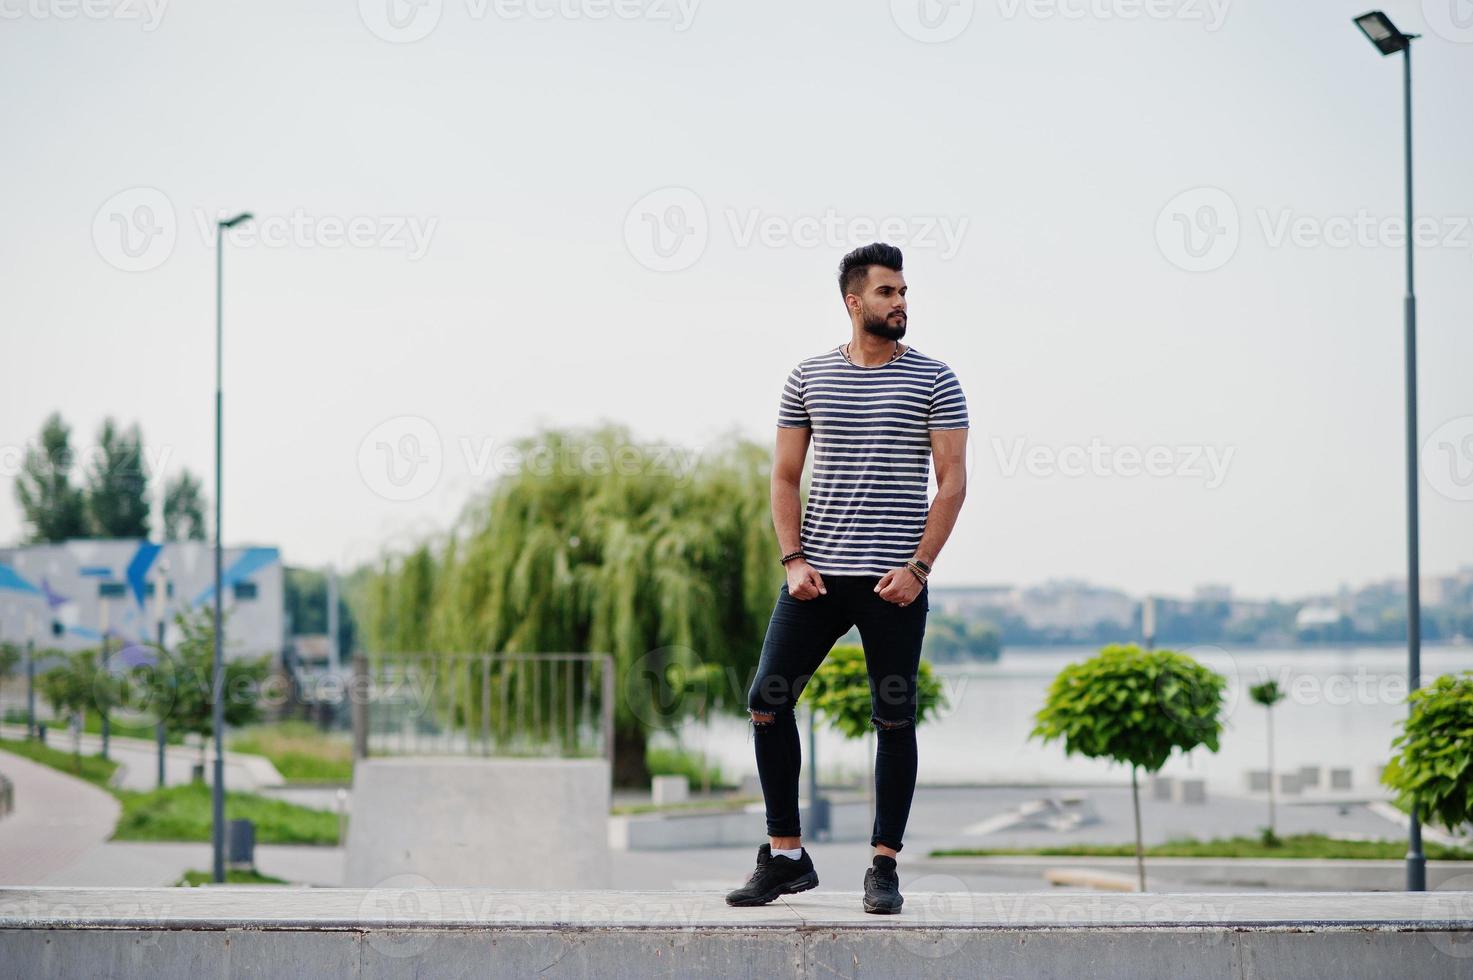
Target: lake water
<point>1341,710</point>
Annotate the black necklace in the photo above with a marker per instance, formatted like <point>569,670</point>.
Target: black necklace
<point>845,351</point>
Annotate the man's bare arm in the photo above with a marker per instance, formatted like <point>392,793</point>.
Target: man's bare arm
<point>949,450</point>
<point>787,477</point>
<point>804,582</point>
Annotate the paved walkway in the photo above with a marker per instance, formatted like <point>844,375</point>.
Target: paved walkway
<point>56,821</point>
<point>139,766</point>
<point>146,864</point>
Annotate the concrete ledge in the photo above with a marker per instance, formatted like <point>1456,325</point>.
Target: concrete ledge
<point>1305,874</point>
<point>453,932</point>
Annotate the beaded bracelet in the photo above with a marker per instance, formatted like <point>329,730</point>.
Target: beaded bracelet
<point>791,555</point>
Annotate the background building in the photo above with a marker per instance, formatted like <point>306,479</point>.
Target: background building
<point>62,595</point>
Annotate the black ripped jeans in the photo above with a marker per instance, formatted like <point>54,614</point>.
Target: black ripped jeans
<point>799,636</point>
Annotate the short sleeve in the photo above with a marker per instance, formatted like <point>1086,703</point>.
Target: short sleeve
<point>948,402</point>
<point>791,413</point>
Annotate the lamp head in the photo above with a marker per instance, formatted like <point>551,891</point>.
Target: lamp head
<point>241,218</point>
<point>1379,30</point>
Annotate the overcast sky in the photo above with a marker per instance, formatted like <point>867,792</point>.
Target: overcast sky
<point>1159,241</point>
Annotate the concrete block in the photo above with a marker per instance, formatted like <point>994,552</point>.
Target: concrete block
<point>470,821</point>
<point>665,790</point>
<point>1190,791</point>
<point>849,820</point>
<point>1341,779</point>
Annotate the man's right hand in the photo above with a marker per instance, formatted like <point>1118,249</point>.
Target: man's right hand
<point>804,581</point>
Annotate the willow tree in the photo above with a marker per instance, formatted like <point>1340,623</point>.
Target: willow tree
<point>661,556</point>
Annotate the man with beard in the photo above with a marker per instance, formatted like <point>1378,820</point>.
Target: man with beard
<point>876,411</point>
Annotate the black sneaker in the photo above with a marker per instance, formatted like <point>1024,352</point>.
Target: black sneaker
<point>775,876</point>
<point>882,886</point>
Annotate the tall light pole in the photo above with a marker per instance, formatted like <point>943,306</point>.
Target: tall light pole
<point>1378,28</point>
<point>217,685</point>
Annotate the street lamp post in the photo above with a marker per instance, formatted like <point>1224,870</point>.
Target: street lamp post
<point>217,686</point>
<point>1378,28</point>
<point>161,605</point>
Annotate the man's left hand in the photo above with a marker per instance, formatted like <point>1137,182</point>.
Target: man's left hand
<point>899,585</point>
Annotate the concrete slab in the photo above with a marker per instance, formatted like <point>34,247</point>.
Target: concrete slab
<point>458,821</point>
<point>451,932</point>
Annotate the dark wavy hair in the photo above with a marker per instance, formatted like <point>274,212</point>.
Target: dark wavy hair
<point>855,267</point>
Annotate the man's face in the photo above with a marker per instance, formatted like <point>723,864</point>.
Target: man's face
<point>882,303</point>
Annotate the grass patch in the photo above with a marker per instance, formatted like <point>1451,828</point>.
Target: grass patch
<point>93,768</point>
<point>182,813</point>
<point>193,879</point>
<point>674,762</point>
<point>1293,846</point>
<point>301,752</point>
<point>92,725</point>
<point>729,803</point>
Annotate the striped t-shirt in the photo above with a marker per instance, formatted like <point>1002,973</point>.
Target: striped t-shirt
<point>867,501</point>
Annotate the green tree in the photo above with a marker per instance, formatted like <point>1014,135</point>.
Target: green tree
<point>10,657</point>
<point>117,484</point>
<point>52,508</point>
<point>1268,695</point>
<point>599,543</point>
<point>1135,707</point>
<point>1431,768</point>
<point>184,508</point>
<point>176,688</point>
<point>305,597</point>
<point>79,685</point>
<point>839,692</point>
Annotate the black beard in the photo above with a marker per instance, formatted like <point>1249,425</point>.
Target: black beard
<point>880,327</point>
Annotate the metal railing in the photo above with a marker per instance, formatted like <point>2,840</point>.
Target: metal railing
<point>484,704</point>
